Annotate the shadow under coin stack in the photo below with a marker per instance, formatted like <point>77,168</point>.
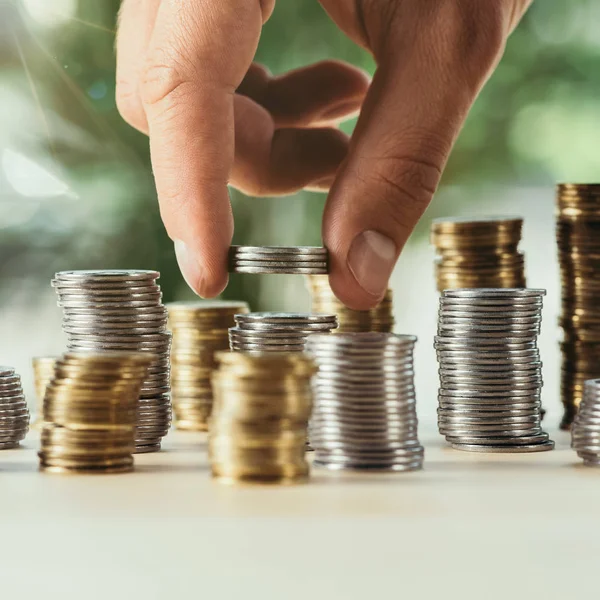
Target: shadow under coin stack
<point>43,372</point>
<point>14,414</point>
<point>277,332</point>
<point>200,329</point>
<point>578,238</point>
<point>258,427</point>
<point>122,311</point>
<point>478,253</point>
<point>278,259</point>
<point>490,370</point>
<point>323,300</point>
<point>364,414</point>
<point>585,432</point>
<point>90,412</point>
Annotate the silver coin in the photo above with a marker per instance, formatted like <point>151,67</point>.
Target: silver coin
<point>104,275</point>
<point>263,250</point>
<point>494,293</point>
<point>291,270</point>
<point>488,303</point>
<point>504,344</point>
<point>285,318</point>
<point>539,447</point>
<point>278,264</point>
<point>493,441</point>
<point>493,313</point>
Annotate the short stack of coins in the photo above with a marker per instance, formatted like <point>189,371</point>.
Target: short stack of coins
<point>90,412</point>
<point>585,431</point>
<point>123,311</point>
<point>490,370</point>
<point>277,332</point>
<point>364,414</point>
<point>323,300</point>
<point>14,414</point>
<point>578,238</point>
<point>478,253</point>
<point>43,372</point>
<point>200,329</point>
<point>258,427</point>
<point>278,259</point>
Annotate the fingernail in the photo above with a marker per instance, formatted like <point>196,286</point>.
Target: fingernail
<point>189,266</point>
<point>371,259</point>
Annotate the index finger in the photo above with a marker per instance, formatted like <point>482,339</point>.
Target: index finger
<point>187,89</point>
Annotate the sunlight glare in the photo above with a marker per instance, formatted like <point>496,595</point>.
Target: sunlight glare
<point>30,179</point>
<point>51,13</point>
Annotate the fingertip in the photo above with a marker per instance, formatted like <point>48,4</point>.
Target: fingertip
<point>350,293</point>
<point>206,282</point>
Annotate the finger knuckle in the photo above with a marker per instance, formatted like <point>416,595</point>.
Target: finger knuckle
<point>164,79</point>
<point>405,186</point>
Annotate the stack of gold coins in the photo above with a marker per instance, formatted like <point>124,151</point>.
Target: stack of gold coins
<point>478,253</point>
<point>578,238</point>
<point>323,300</point>
<point>43,372</point>
<point>258,428</point>
<point>90,412</point>
<point>199,330</point>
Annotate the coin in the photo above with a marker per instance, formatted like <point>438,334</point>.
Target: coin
<point>475,253</point>
<point>278,259</point>
<point>364,415</point>
<point>90,412</point>
<point>578,241</point>
<point>323,300</point>
<point>258,434</point>
<point>490,370</point>
<point>277,332</point>
<point>200,329</point>
<point>14,414</point>
<point>112,311</point>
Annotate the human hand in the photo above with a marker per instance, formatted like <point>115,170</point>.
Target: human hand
<point>185,77</point>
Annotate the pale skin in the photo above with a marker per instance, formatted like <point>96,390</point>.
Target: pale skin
<point>186,77</point>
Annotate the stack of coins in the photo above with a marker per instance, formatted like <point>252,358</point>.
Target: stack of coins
<point>378,319</point>
<point>14,414</point>
<point>490,370</point>
<point>364,414</point>
<point>478,253</point>
<point>43,372</point>
<point>585,432</point>
<point>259,423</point>
<point>90,412</point>
<point>278,259</point>
<point>578,237</point>
<point>277,332</point>
<point>122,311</point>
<point>199,330</point>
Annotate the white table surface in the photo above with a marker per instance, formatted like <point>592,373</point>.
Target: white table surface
<point>467,526</point>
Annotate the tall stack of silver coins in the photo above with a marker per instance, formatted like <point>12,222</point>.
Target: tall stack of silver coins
<point>270,260</point>
<point>490,370</point>
<point>123,311</point>
<point>14,414</point>
<point>364,414</point>
<point>277,332</point>
<point>585,431</point>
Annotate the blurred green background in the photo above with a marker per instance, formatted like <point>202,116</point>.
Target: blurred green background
<point>76,188</point>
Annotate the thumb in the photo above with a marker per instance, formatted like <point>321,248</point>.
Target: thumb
<point>418,101</point>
